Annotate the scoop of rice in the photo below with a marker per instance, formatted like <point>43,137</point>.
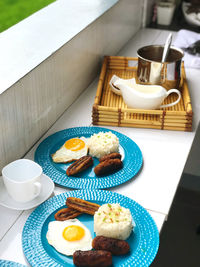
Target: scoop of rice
<point>112,220</point>
<point>102,144</point>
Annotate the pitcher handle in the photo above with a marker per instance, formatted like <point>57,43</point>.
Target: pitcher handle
<point>115,89</point>
<point>175,102</point>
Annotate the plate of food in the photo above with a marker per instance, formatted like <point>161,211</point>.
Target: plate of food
<point>89,157</point>
<point>83,227</point>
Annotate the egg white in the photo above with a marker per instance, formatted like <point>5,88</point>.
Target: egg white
<point>64,155</point>
<point>55,237</point>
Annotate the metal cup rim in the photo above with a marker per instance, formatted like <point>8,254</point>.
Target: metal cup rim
<point>171,47</point>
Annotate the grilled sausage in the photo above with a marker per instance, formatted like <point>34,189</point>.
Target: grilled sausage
<point>115,246</point>
<point>108,166</point>
<point>113,155</point>
<point>79,165</point>
<point>92,258</point>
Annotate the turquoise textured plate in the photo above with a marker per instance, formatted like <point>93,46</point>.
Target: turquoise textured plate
<point>5,263</point>
<point>132,160</point>
<point>144,240</point>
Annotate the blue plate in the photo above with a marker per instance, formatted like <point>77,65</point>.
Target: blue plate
<point>144,241</point>
<point>132,160</point>
<point>5,263</point>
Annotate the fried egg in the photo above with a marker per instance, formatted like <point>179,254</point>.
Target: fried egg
<point>69,236</point>
<point>73,149</point>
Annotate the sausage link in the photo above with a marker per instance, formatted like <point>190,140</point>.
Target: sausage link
<point>92,258</point>
<point>113,155</point>
<point>108,166</point>
<point>115,246</point>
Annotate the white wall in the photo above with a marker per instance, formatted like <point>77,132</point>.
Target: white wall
<point>30,106</point>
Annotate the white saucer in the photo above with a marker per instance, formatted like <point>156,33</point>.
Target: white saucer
<point>46,191</point>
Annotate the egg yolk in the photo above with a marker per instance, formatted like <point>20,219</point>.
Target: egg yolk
<point>74,144</point>
<point>73,233</point>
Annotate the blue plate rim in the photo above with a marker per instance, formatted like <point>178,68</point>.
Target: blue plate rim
<point>31,235</point>
<point>6,263</point>
<point>128,172</point>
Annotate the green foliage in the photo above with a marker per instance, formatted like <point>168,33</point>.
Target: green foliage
<point>13,11</point>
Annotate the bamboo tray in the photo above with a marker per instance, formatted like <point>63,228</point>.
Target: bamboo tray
<point>110,109</point>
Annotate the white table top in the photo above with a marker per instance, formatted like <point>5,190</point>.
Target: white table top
<point>164,153</point>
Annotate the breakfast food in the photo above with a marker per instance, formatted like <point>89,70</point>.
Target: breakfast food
<point>92,258</point>
<point>73,149</point>
<point>113,155</point>
<point>82,205</point>
<point>79,165</point>
<point>108,166</point>
<point>115,246</point>
<point>66,214</point>
<point>101,144</point>
<point>112,224</point>
<point>112,220</point>
<point>69,236</point>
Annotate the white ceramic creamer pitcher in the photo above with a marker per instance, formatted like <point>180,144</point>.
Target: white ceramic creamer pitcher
<point>142,96</point>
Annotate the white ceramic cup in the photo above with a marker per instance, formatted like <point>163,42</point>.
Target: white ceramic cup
<point>22,179</point>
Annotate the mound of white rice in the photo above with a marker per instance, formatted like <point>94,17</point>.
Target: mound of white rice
<point>102,144</point>
<point>112,220</point>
